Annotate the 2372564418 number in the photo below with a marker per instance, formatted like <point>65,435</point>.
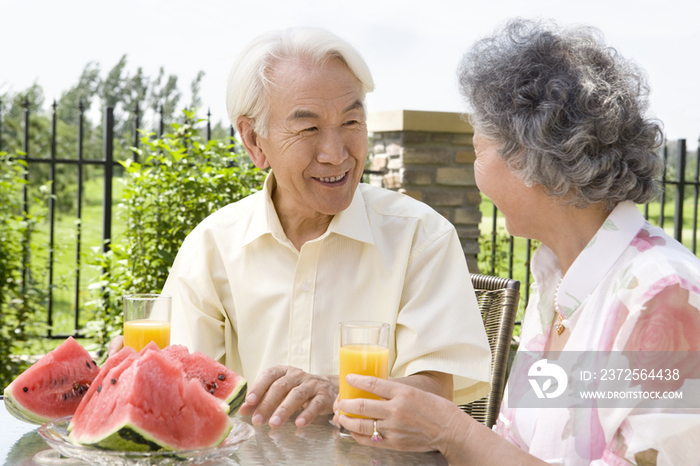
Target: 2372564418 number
<point>639,374</point>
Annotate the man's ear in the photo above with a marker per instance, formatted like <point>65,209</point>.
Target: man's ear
<point>251,141</point>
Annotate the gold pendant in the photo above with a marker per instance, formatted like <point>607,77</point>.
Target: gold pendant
<point>559,325</point>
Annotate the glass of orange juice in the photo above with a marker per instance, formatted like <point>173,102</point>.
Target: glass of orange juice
<point>364,350</point>
<point>147,319</point>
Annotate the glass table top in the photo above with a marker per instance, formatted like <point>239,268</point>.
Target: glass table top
<point>315,444</point>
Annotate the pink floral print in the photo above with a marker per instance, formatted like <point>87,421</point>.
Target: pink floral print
<point>634,289</point>
<point>644,241</point>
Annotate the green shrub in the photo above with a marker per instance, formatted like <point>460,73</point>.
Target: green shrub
<point>178,182</point>
<point>21,304</point>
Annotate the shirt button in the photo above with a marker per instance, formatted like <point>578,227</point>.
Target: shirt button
<point>300,350</point>
<point>305,287</point>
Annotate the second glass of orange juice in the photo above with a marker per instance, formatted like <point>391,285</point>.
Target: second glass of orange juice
<point>146,319</point>
<point>364,350</point>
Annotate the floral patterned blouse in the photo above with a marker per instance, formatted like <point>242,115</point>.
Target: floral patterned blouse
<point>632,288</point>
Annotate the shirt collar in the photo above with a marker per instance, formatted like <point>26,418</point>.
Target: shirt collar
<point>264,220</point>
<point>352,222</point>
<point>591,265</point>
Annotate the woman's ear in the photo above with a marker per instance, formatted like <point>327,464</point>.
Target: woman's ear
<point>251,141</point>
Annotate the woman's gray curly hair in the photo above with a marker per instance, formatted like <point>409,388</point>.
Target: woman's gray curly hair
<point>566,112</point>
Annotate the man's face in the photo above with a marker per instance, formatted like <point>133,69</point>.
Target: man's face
<point>317,138</point>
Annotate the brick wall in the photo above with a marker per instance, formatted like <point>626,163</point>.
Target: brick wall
<point>429,156</point>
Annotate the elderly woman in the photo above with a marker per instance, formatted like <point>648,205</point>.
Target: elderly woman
<point>564,150</point>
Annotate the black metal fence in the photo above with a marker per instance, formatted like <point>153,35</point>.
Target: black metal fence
<point>108,163</point>
<point>675,166</point>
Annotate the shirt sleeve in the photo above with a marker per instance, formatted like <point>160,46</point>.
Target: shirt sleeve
<point>197,284</point>
<point>662,326</point>
<point>439,326</point>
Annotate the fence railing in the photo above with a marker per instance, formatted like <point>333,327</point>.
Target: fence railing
<point>108,163</point>
<point>675,167</point>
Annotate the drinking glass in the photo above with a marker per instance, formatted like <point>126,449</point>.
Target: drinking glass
<point>364,350</point>
<point>146,319</point>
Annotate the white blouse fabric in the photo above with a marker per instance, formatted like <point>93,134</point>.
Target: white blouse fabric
<point>633,288</point>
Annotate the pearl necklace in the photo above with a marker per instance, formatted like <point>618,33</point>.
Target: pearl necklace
<point>561,323</point>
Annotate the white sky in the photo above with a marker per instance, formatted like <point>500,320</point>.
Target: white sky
<point>411,46</point>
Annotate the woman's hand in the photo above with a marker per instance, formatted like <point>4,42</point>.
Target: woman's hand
<point>410,419</point>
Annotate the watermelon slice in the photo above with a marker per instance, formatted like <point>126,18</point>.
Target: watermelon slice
<point>215,378</point>
<point>145,403</point>
<point>54,386</point>
<point>113,361</point>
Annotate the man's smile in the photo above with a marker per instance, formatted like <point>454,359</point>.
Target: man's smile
<point>332,179</point>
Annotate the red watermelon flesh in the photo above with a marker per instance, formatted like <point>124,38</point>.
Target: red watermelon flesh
<point>147,404</point>
<point>97,384</point>
<point>215,378</point>
<point>54,386</point>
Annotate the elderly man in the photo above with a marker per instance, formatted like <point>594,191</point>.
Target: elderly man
<point>263,284</point>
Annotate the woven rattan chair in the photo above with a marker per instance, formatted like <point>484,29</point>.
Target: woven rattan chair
<point>498,302</point>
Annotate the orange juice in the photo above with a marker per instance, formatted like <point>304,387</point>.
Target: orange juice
<point>364,360</point>
<point>138,333</point>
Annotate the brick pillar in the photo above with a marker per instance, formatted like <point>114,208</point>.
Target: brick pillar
<point>429,156</point>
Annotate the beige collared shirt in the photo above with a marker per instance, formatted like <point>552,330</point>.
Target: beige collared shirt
<point>244,295</point>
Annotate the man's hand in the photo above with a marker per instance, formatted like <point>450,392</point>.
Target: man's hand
<point>115,345</point>
<point>280,391</point>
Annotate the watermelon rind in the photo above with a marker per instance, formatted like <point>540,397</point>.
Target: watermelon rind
<point>20,413</point>
<point>130,438</point>
<point>237,397</point>
<point>127,438</point>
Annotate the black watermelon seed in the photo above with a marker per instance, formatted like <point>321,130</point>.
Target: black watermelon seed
<point>99,388</point>
<point>93,361</point>
<point>213,385</point>
<point>25,389</point>
<point>222,376</point>
<point>87,363</point>
<point>211,391</point>
<point>65,396</point>
<point>113,381</point>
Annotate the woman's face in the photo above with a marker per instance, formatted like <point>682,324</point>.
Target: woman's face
<point>518,203</point>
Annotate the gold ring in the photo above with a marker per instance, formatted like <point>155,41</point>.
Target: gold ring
<point>376,436</point>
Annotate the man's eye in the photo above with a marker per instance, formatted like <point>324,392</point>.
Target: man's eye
<point>309,129</point>
<point>351,122</point>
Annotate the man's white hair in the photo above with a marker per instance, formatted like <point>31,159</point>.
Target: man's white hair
<point>249,80</point>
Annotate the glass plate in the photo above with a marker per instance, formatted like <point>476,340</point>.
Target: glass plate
<point>56,435</point>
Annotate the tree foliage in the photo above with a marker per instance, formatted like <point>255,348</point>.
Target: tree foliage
<point>180,181</point>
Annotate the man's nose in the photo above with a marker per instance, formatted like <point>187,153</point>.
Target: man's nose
<point>332,148</point>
